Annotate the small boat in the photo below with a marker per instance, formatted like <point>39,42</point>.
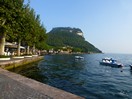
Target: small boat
<point>110,62</point>
<point>79,57</point>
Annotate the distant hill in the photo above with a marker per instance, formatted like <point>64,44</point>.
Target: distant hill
<point>73,37</point>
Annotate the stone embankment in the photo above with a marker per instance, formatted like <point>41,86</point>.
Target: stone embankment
<point>13,63</point>
<point>15,86</point>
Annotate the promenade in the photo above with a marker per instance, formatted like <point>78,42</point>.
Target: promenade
<point>15,86</point>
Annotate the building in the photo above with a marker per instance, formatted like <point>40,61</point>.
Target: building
<point>11,48</point>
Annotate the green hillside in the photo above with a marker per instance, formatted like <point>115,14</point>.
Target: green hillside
<point>60,37</point>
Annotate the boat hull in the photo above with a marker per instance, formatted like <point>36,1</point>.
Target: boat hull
<point>110,64</point>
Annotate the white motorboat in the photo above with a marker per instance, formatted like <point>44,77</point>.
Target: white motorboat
<point>79,57</point>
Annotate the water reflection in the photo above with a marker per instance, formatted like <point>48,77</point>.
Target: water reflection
<point>83,77</point>
<point>30,71</point>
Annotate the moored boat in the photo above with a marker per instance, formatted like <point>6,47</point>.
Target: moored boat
<point>110,62</point>
<point>79,57</point>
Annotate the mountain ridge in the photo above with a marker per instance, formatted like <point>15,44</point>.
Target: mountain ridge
<point>73,37</point>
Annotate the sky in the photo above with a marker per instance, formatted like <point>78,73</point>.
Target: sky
<point>107,24</point>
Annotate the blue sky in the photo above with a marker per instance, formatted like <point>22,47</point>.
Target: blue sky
<point>107,24</point>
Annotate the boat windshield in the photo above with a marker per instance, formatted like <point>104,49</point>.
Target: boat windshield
<point>109,60</point>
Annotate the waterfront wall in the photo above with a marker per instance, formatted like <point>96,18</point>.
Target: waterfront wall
<point>16,86</point>
<point>19,62</point>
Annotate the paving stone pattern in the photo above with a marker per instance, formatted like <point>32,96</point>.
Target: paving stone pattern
<point>15,86</point>
<point>11,89</point>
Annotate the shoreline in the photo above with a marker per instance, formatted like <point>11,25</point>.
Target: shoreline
<point>70,53</point>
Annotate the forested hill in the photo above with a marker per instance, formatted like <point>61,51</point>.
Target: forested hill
<point>73,37</point>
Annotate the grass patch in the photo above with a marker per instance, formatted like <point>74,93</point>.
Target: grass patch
<point>3,56</point>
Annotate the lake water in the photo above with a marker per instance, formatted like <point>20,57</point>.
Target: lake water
<point>86,77</point>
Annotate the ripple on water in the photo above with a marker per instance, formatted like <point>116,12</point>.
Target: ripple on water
<point>87,77</point>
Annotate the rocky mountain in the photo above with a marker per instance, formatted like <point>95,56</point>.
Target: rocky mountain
<point>72,37</point>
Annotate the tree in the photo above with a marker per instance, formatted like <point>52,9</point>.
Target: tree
<point>41,39</point>
<point>76,50</point>
<point>18,22</point>
<point>35,33</point>
<point>6,21</point>
<point>18,26</point>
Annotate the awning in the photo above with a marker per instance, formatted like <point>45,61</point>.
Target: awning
<point>11,45</point>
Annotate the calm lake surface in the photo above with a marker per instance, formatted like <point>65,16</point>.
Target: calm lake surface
<point>86,77</point>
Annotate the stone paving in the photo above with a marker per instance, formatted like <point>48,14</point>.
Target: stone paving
<point>11,89</point>
<point>15,86</point>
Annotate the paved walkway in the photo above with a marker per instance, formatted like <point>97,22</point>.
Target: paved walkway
<point>11,89</point>
<point>15,86</point>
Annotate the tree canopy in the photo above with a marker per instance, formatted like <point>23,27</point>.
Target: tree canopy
<point>19,23</point>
